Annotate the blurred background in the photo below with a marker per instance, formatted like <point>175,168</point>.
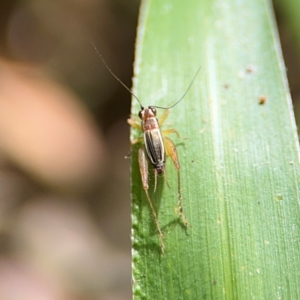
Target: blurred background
<point>64,182</point>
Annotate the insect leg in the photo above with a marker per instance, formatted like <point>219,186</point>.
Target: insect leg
<point>143,164</point>
<point>136,141</point>
<point>163,117</point>
<point>172,152</point>
<point>168,131</point>
<point>134,123</point>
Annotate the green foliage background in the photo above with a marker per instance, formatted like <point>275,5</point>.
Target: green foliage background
<point>239,156</point>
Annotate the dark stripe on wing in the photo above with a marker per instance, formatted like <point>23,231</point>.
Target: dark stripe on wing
<point>154,147</point>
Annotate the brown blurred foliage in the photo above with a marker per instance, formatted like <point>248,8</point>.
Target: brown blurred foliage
<point>290,49</point>
<point>64,182</point>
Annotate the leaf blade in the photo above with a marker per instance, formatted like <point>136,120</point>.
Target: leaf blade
<point>240,158</point>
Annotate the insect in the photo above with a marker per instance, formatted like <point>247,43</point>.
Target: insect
<point>155,147</point>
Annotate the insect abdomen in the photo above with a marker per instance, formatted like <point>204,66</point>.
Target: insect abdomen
<point>155,148</point>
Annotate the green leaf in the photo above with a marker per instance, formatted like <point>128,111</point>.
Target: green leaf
<point>238,150</point>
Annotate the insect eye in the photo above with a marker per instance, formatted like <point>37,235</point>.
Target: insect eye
<point>141,114</point>
<point>153,110</point>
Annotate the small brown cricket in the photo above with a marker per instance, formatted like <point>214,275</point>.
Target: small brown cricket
<point>156,145</point>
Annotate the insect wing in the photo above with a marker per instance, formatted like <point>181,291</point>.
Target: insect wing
<point>154,146</point>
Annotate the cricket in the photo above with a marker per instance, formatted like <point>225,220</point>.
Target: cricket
<point>155,146</point>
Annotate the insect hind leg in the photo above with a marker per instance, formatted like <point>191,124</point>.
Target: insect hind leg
<point>144,170</point>
<point>172,152</point>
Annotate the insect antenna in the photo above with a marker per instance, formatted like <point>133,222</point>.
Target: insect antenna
<point>160,107</point>
<point>116,77</point>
